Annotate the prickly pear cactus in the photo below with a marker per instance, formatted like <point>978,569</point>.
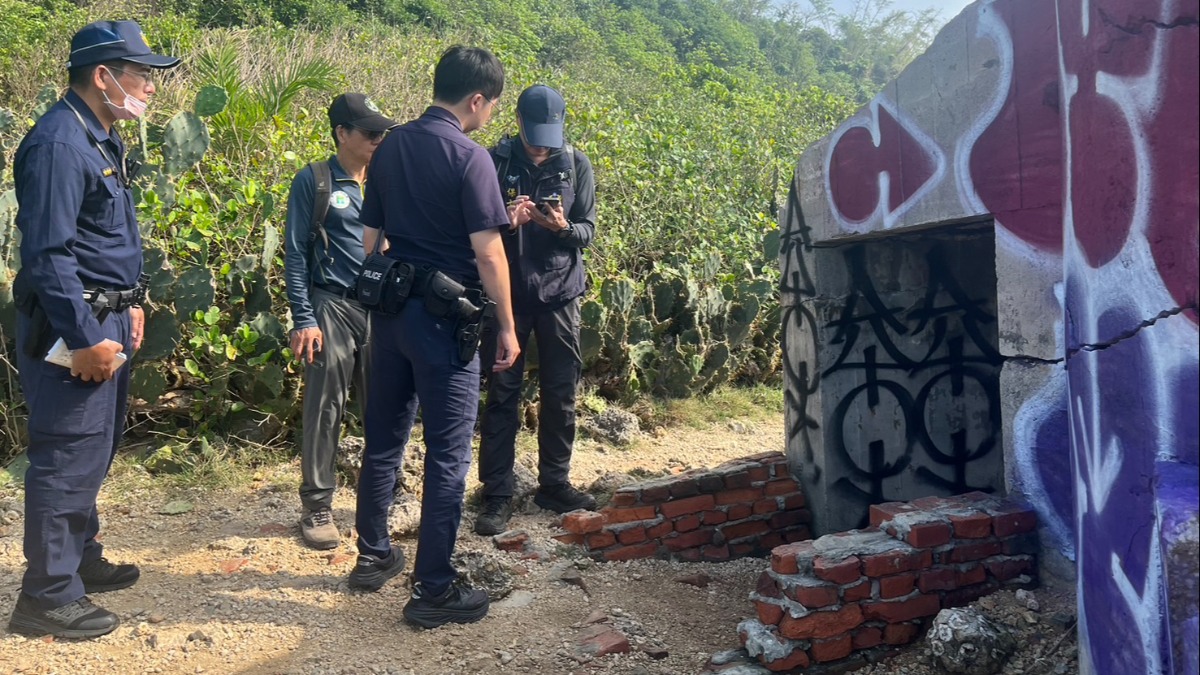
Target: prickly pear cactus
<point>211,100</point>
<point>185,141</point>
<point>591,341</point>
<point>194,292</point>
<point>46,98</point>
<point>617,295</point>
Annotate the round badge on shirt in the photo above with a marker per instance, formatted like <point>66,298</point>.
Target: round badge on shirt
<point>339,200</point>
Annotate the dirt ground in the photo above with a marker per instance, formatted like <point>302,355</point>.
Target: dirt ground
<point>227,587</point>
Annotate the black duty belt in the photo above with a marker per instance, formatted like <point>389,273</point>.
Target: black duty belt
<point>114,301</point>
<point>343,293</point>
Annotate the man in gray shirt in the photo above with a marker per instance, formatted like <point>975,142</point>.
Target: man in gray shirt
<point>324,254</point>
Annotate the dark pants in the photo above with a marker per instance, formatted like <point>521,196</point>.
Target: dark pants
<point>74,430</point>
<point>343,360</point>
<point>415,356</point>
<point>559,368</point>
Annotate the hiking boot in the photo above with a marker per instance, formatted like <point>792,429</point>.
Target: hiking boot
<point>371,573</point>
<point>318,529</point>
<point>100,576</point>
<point>494,517</point>
<point>563,498</point>
<point>458,604</point>
<point>78,619</point>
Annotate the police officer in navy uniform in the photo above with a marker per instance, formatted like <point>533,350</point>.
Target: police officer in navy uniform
<point>434,198</point>
<point>551,194</point>
<point>80,282</point>
<point>329,327</point>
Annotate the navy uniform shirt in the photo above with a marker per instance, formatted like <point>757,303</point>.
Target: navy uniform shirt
<point>432,187</point>
<point>76,217</point>
<point>306,260</point>
<point>546,268</point>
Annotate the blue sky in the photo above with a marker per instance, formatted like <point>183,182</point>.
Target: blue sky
<point>948,8</point>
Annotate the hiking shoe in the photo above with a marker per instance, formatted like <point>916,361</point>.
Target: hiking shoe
<point>100,576</point>
<point>78,619</point>
<point>458,604</point>
<point>371,573</point>
<point>563,498</point>
<point>494,517</point>
<point>318,529</point>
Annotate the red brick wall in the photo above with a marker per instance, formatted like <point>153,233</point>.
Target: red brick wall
<point>742,507</point>
<point>866,588</point>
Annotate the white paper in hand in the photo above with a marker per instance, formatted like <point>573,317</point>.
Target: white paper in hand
<point>59,355</point>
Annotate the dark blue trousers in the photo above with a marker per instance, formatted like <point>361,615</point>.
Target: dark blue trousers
<point>415,356</point>
<point>74,430</point>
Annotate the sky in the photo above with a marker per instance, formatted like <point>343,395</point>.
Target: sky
<point>948,8</point>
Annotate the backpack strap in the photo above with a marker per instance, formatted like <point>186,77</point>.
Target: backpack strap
<point>570,150</point>
<point>503,155</point>
<point>324,187</point>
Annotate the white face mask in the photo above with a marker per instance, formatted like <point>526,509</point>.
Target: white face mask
<point>131,110</point>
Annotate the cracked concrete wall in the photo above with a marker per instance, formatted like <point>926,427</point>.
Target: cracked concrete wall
<point>1071,127</point>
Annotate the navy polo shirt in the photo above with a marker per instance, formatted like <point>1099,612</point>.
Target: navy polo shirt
<point>76,217</point>
<point>306,259</point>
<point>431,187</point>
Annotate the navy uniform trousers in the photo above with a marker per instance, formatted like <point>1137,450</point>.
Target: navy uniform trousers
<point>74,430</point>
<point>415,356</point>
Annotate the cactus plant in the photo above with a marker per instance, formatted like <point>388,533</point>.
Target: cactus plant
<point>194,291</point>
<point>185,141</point>
<point>210,100</point>
<point>46,98</point>
<point>617,295</point>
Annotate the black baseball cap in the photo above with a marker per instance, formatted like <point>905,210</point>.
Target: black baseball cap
<point>358,111</point>
<point>114,41</point>
<point>542,112</point>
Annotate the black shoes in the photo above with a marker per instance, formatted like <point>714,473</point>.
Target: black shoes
<point>100,576</point>
<point>458,604</point>
<point>494,517</point>
<point>371,573</point>
<point>563,498</point>
<point>79,619</point>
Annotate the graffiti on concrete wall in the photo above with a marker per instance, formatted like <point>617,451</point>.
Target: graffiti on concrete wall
<point>799,337</point>
<point>932,365</point>
<point>1083,149</point>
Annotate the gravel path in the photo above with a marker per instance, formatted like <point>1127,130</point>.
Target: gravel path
<point>228,588</point>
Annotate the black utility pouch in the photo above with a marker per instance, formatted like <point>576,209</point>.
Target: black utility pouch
<point>373,280</point>
<point>398,288</point>
<point>442,294</point>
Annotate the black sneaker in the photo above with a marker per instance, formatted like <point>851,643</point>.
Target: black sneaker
<point>458,604</point>
<point>494,517</point>
<point>371,573</point>
<point>100,576</point>
<point>79,619</point>
<point>563,498</point>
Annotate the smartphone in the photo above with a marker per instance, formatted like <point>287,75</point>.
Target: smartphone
<point>551,201</point>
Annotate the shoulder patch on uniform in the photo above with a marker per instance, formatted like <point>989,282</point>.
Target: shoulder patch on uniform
<point>339,199</point>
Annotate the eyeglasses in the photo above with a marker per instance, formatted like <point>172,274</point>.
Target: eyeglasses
<point>371,135</point>
<point>146,76</point>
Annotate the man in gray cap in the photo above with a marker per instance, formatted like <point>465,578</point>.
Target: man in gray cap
<point>82,285</point>
<point>324,254</point>
<point>551,195</point>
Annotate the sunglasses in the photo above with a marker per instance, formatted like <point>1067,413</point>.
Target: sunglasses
<point>371,135</point>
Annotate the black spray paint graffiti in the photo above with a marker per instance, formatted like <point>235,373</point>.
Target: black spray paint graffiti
<point>799,323</point>
<point>959,356</point>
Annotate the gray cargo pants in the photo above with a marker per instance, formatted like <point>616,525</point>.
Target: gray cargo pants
<point>343,360</point>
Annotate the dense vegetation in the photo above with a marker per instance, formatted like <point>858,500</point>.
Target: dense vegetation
<point>693,112</point>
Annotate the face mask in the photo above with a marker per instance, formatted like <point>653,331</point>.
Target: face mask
<point>131,110</point>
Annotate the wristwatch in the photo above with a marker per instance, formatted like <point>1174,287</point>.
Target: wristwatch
<point>567,231</point>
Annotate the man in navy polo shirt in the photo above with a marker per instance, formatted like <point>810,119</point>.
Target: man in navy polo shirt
<point>329,328</point>
<point>433,194</point>
<point>82,262</point>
